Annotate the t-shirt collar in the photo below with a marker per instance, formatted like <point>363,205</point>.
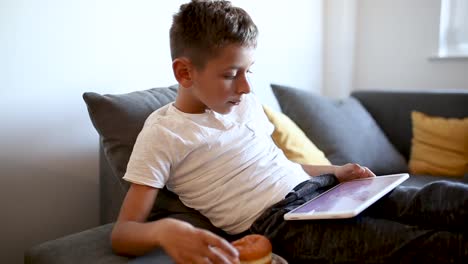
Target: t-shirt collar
<point>208,118</point>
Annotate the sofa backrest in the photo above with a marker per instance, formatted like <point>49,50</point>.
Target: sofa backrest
<point>392,110</point>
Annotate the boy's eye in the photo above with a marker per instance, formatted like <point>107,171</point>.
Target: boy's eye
<point>230,77</point>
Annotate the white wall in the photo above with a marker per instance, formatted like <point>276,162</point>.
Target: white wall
<point>394,41</point>
<point>290,45</point>
<point>52,51</point>
<point>339,46</point>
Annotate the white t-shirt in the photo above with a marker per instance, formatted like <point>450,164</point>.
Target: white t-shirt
<point>225,166</point>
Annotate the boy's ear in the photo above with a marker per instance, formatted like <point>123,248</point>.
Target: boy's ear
<point>182,68</point>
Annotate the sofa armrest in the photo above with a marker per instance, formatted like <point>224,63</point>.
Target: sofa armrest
<point>90,246</point>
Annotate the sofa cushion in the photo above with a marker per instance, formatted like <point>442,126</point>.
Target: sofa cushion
<point>342,129</point>
<point>89,246</point>
<point>118,120</point>
<point>396,121</point>
<point>439,145</point>
<point>295,145</point>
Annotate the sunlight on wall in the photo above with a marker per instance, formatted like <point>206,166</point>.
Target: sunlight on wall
<point>453,36</point>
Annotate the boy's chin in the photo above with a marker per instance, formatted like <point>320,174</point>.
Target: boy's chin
<point>224,111</point>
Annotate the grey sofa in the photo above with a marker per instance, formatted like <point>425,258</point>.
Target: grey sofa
<point>118,118</point>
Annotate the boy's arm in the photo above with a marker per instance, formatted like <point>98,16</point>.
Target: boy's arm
<point>132,235</point>
<point>343,173</point>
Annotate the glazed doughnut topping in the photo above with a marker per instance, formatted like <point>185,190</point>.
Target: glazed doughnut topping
<point>253,249</point>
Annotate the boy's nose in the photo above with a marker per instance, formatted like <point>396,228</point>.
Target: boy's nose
<point>243,86</point>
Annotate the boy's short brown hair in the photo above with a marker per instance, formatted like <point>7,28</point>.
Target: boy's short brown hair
<point>202,27</point>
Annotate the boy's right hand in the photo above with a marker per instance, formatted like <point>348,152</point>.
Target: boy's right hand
<point>352,171</point>
<point>188,244</point>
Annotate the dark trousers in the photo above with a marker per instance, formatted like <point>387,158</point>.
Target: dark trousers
<point>409,225</point>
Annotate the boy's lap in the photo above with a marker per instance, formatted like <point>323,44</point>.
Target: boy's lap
<point>344,238</point>
<point>367,240</point>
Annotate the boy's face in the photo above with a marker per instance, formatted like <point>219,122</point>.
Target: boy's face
<point>219,86</point>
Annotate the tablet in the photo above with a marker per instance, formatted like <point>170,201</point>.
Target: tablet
<point>347,199</point>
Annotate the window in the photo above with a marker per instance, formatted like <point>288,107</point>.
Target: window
<point>453,34</point>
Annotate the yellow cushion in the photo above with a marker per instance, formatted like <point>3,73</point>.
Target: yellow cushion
<point>439,145</point>
<point>291,139</point>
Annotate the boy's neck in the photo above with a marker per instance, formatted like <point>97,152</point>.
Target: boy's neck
<point>186,104</point>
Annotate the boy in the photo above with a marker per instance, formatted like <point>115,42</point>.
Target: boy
<point>213,148</point>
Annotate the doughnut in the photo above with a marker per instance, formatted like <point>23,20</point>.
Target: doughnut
<point>253,249</point>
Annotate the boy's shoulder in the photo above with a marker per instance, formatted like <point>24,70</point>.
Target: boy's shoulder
<point>172,125</point>
<point>164,118</point>
<point>168,119</point>
<point>158,115</point>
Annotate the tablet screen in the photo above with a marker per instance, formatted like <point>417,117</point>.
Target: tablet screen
<point>350,196</point>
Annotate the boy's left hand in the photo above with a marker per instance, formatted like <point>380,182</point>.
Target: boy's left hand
<point>352,171</point>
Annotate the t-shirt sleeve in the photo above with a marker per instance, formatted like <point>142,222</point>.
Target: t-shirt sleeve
<point>151,159</point>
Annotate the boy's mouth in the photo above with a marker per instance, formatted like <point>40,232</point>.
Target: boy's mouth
<point>235,102</point>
